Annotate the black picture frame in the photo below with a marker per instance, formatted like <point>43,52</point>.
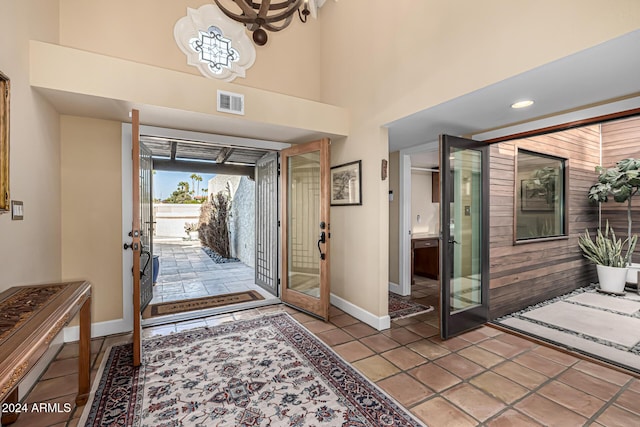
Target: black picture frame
<point>346,184</point>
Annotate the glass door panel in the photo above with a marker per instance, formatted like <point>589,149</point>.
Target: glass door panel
<point>305,227</point>
<point>464,259</point>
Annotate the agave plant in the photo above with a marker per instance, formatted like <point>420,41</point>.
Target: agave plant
<point>607,249</point>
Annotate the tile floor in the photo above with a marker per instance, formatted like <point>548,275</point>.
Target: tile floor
<point>186,272</point>
<point>484,377</point>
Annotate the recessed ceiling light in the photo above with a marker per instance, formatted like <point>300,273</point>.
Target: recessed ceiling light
<point>522,104</point>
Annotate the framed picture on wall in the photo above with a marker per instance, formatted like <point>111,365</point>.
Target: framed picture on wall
<point>346,185</point>
<point>535,197</point>
<point>4,142</point>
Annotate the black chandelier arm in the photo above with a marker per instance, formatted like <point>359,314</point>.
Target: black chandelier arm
<point>276,6</point>
<point>275,28</point>
<point>249,15</point>
<point>281,15</point>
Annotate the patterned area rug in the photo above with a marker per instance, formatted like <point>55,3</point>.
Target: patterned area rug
<point>266,371</point>
<point>401,307</point>
<point>603,326</point>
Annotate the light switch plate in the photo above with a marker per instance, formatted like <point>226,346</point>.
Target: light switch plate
<point>17,212</point>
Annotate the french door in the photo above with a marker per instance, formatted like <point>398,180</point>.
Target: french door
<point>305,229</point>
<point>141,232</point>
<point>136,245</point>
<point>464,224</point>
<point>266,256</point>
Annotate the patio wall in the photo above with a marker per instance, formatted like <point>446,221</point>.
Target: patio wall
<point>243,222</point>
<point>170,218</point>
<point>525,274</point>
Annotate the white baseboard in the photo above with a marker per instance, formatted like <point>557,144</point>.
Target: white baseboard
<point>100,329</point>
<point>119,326</point>
<point>378,322</point>
<point>395,288</point>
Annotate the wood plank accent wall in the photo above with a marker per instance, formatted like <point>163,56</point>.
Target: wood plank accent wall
<point>525,274</point>
<point>621,140</point>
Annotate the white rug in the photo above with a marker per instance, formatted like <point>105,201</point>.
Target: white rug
<point>606,327</point>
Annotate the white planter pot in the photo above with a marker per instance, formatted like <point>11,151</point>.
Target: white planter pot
<point>612,279</point>
<point>632,273</point>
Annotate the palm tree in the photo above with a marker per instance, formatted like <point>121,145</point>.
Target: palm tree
<point>195,178</point>
<point>183,186</point>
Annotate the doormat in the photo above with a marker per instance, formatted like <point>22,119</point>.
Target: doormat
<point>173,307</point>
<point>263,371</point>
<point>606,327</point>
<point>401,307</point>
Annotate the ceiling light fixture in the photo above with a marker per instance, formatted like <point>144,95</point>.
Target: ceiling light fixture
<point>522,104</point>
<point>270,15</point>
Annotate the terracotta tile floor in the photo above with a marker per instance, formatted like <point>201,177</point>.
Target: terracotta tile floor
<point>484,377</point>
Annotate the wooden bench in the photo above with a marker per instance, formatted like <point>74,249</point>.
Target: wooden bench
<point>30,318</point>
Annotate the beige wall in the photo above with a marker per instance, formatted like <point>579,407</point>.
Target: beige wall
<point>421,54</point>
<point>30,249</point>
<point>394,217</point>
<point>142,31</point>
<point>91,165</point>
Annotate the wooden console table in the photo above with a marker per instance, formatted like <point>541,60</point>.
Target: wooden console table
<point>30,318</point>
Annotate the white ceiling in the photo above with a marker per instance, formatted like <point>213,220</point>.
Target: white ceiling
<point>596,75</point>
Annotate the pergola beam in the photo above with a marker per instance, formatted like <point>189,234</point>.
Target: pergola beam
<point>202,167</point>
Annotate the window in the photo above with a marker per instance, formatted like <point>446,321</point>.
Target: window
<point>540,196</point>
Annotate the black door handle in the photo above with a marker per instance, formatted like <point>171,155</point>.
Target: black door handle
<point>322,239</point>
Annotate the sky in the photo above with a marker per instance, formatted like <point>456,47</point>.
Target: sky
<point>166,182</point>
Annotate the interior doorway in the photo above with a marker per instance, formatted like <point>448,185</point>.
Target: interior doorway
<point>416,198</point>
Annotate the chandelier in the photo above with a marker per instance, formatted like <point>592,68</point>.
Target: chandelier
<point>270,15</point>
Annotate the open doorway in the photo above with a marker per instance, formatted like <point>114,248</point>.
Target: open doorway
<point>200,267</point>
<point>414,235</point>
<point>203,263</point>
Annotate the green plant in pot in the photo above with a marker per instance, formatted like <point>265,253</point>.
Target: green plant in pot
<point>607,252</point>
<point>623,183</point>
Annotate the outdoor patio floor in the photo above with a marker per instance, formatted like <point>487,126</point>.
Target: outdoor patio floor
<point>187,272</point>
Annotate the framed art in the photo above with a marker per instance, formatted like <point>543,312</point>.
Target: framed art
<point>346,184</point>
<point>535,197</point>
<point>4,143</point>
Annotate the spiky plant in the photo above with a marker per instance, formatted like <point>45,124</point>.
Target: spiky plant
<point>607,249</point>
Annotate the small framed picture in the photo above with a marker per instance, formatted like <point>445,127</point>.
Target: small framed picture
<point>346,184</point>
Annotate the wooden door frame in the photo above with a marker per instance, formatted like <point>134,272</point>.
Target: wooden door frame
<point>135,235</point>
<point>296,298</point>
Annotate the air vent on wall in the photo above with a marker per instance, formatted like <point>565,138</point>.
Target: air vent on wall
<point>229,102</point>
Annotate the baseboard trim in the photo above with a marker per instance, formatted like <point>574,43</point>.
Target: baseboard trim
<point>119,326</point>
<point>395,288</point>
<point>100,329</point>
<point>378,322</point>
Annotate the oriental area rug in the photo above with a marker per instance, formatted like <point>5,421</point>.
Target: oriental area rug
<point>401,307</point>
<point>603,326</point>
<point>265,371</point>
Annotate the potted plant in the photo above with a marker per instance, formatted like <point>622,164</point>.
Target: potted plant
<point>192,230</point>
<point>607,253</point>
<point>623,183</point>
